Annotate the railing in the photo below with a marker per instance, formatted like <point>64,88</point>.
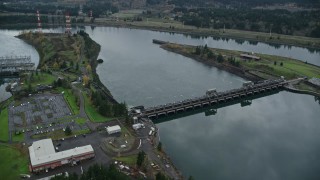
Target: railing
<point>209,100</point>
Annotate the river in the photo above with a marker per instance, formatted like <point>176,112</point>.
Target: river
<point>276,137</point>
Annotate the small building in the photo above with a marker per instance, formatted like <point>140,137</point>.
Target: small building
<point>113,129</point>
<point>137,126</point>
<point>248,56</point>
<point>43,155</point>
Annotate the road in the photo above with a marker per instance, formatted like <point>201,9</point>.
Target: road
<point>152,153</point>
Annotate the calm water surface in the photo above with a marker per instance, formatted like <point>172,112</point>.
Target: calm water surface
<point>274,138</point>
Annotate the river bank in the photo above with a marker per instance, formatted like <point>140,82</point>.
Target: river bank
<point>177,27</point>
<point>237,62</point>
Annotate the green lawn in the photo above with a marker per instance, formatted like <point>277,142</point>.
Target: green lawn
<point>13,163</point>
<point>130,160</point>
<point>4,133</point>
<point>42,78</point>
<point>18,138</point>
<point>58,134</point>
<point>71,99</point>
<point>93,115</point>
<point>81,121</point>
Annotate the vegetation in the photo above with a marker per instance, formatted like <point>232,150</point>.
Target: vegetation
<point>81,121</point>
<point>106,108</point>
<point>68,131</point>
<point>71,98</point>
<point>276,21</point>
<point>4,133</point>
<point>160,176</point>
<point>265,67</point>
<point>58,134</point>
<point>92,113</point>
<point>13,162</point>
<point>141,158</point>
<point>159,147</point>
<point>240,3</point>
<point>18,137</point>
<point>130,160</point>
<point>98,172</point>
<point>57,51</point>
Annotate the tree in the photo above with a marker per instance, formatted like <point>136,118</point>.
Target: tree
<point>198,50</point>
<point>140,159</point>
<point>281,63</point>
<point>210,54</point>
<point>63,65</point>
<point>71,64</point>
<point>55,65</point>
<point>29,87</point>
<point>85,80</point>
<point>160,176</point>
<point>159,147</point>
<point>275,63</point>
<point>88,68</point>
<point>68,131</point>
<point>220,58</point>
<point>77,66</point>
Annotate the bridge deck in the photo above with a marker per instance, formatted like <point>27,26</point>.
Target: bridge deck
<point>211,100</point>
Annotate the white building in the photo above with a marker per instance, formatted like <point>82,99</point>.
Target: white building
<point>137,126</point>
<point>43,155</point>
<point>113,129</point>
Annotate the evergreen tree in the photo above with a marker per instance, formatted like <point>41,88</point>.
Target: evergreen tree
<point>140,159</point>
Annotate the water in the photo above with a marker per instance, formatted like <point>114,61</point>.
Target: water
<point>11,46</point>
<point>274,138</point>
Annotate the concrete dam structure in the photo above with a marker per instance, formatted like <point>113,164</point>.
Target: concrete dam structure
<point>211,98</point>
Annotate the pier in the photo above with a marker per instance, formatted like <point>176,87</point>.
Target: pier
<point>13,65</point>
<point>212,97</point>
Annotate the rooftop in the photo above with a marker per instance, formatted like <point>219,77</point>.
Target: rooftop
<point>42,152</point>
<point>113,128</point>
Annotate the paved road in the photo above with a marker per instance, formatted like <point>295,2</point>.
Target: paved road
<point>150,149</point>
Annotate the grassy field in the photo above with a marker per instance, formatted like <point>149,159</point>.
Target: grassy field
<point>58,134</point>
<point>127,13</point>
<point>130,160</point>
<point>92,113</point>
<point>18,138</point>
<point>4,133</point>
<point>81,121</point>
<point>42,78</point>
<point>290,68</point>
<point>71,99</point>
<point>13,162</point>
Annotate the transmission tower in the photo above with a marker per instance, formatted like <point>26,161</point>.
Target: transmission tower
<point>68,23</point>
<point>39,22</point>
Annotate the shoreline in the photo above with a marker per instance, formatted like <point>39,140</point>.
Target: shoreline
<point>253,36</point>
<point>214,33</point>
<point>241,72</point>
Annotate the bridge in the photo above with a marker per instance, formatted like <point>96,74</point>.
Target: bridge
<point>211,98</point>
<point>13,65</point>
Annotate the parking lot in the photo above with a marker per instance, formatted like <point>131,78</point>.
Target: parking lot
<point>40,114</point>
<point>94,139</point>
